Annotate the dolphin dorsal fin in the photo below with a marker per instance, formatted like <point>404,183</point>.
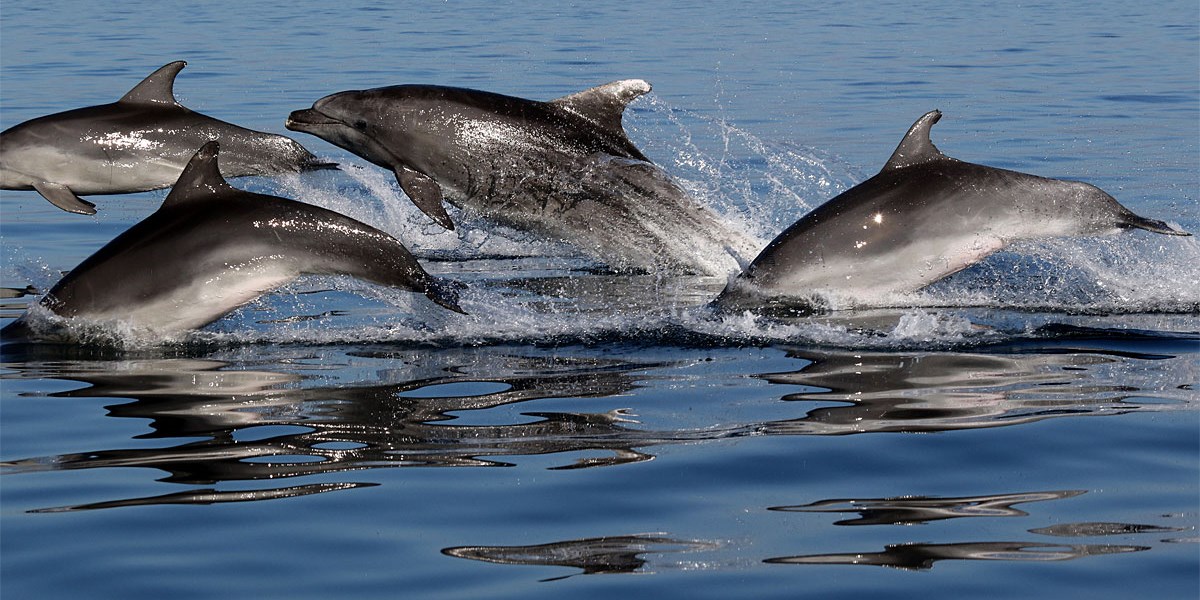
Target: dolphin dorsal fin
<point>604,105</point>
<point>916,147</point>
<point>158,88</point>
<point>200,178</point>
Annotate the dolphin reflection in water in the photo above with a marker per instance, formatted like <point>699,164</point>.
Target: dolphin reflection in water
<point>593,556</point>
<point>410,416</point>
<point>405,417</point>
<point>921,557</point>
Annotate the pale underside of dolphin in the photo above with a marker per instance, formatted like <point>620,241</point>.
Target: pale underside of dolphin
<point>211,248</point>
<point>923,217</point>
<point>140,142</point>
<point>564,169</point>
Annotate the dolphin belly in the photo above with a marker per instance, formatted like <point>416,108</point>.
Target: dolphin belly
<point>112,173</point>
<point>190,306</point>
<point>844,280</point>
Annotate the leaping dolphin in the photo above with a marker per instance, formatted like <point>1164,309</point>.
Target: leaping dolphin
<point>922,218</point>
<point>211,248</point>
<point>564,169</point>
<point>140,142</point>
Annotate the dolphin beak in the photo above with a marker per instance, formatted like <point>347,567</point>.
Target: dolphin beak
<point>304,120</point>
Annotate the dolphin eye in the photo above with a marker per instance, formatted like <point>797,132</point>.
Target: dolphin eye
<point>360,125</point>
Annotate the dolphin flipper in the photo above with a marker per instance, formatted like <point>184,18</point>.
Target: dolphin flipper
<point>425,193</point>
<point>62,197</point>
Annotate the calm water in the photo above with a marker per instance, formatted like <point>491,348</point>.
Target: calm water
<point>1030,429</point>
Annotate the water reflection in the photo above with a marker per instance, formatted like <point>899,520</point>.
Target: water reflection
<point>263,425</point>
<point>913,510</point>
<point>211,496</point>
<point>626,554</point>
<point>320,411</point>
<point>895,392</point>
<point>1101,529</point>
<point>919,557</point>
<point>603,555</point>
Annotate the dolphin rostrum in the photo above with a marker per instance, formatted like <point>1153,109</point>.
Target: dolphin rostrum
<point>140,142</point>
<point>923,217</point>
<point>564,169</point>
<point>211,248</point>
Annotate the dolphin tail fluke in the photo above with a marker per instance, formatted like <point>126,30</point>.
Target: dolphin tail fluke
<point>444,293</point>
<point>1132,220</point>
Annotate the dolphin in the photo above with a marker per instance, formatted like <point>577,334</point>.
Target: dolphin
<point>563,169</point>
<point>140,142</point>
<point>923,217</point>
<point>211,248</point>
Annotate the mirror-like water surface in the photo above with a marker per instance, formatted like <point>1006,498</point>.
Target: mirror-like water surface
<point>1028,428</point>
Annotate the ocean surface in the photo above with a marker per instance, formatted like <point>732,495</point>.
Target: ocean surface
<point>1027,428</point>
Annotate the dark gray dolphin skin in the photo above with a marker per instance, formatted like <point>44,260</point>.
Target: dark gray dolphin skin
<point>922,218</point>
<point>564,169</point>
<point>211,248</point>
<point>140,142</point>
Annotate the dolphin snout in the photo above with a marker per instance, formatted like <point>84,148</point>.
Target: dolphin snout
<point>300,120</point>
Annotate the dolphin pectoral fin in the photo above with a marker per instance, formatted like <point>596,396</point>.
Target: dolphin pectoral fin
<point>425,193</point>
<point>62,197</point>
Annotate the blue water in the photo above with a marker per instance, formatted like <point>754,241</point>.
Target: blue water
<point>1029,429</point>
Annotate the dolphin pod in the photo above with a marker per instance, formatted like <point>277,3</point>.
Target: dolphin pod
<point>211,248</point>
<point>563,169</point>
<point>923,217</point>
<point>138,143</point>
